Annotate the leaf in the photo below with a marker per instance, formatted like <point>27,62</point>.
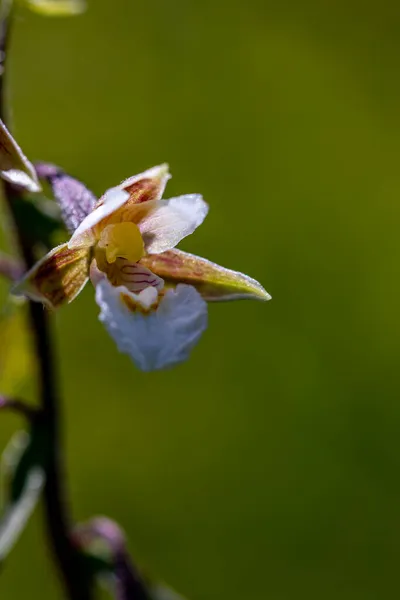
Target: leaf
<point>17,364</point>
<point>23,473</point>
<point>14,166</point>
<point>34,456</point>
<point>56,8</point>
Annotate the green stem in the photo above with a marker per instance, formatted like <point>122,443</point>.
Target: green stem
<point>77,583</point>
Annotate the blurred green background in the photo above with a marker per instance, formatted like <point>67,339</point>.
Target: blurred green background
<point>268,466</point>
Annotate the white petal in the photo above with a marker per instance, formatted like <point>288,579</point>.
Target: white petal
<point>112,200</point>
<point>172,220</point>
<point>161,338</point>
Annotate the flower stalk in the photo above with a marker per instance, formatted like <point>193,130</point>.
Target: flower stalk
<point>77,583</point>
<point>153,301</point>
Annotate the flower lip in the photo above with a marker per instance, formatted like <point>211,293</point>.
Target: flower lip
<point>144,300</point>
<point>157,338</point>
<point>134,276</point>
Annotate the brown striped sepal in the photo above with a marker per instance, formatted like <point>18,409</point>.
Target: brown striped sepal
<point>147,186</point>
<point>57,278</point>
<point>213,282</point>
<point>14,166</point>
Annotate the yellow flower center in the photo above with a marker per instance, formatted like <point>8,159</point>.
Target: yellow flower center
<point>122,240</point>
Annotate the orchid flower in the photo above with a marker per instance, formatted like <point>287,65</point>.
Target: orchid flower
<point>152,297</point>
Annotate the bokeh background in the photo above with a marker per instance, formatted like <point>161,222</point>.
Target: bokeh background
<point>268,466</point>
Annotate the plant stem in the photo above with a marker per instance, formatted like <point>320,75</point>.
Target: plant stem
<point>77,583</point>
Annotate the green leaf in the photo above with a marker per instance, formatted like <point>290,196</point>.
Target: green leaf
<point>23,475</point>
<point>35,455</point>
<point>56,8</point>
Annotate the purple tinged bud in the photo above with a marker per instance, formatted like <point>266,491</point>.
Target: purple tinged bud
<point>128,582</point>
<point>109,531</point>
<point>75,200</point>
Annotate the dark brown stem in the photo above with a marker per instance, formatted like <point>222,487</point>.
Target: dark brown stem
<point>69,562</point>
<point>129,584</point>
